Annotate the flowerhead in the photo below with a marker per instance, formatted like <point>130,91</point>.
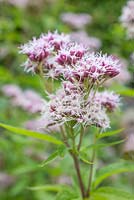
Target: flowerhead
<point>109,100</point>
<point>70,105</point>
<point>54,55</point>
<point>95,66</point>
<point>28,100</point>
<point>81,37</point>
<point>78,21</point>
<point>127,18</point>
<point>42,49</point>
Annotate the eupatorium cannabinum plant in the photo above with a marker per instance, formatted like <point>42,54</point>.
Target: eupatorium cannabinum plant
<point>79,102</point>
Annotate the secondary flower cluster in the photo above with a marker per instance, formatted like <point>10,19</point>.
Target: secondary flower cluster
<point>127,18</point>
<point>93,66</point>
<point>107,99</point>
<point>78,21</point>
<point>82,37</point>
<point>24,3</point>
<point>28,100</point>
<point>53,55</point>
<point>42,51</point>
<point>123,77</point>
<point>69,103</point>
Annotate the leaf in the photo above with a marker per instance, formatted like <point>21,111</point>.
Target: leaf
<point>111,169</point>
<point>33,134</point>
<point>110,133</point>
<point>62,150</point>
<point>101,145</point>
<point>5,75</point>
<point>84,157</point>
<point>109,193</point>
<point>52,157</point>
<point>123,90</point>
<point>25,169</point>
<point>126,92</point>
<point>67,194</point>
<point>53,188</point>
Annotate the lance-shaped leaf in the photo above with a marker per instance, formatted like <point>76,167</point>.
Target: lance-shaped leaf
<point>112,169</point>
<point>127,92</point>
<point>109,133</point>
<point>68,193</point>
<point>53,188</point>
<point>101,145</point>
<point>84,157</point>
<point>123,90</point>
<point>62,150</point>
<point>33,134</point>
<point>110,193</point>
<point>52,157</point>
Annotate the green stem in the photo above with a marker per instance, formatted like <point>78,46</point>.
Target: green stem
<point>64,137</point>
<point>81,137</point>
<point>77,164</point>
<point>49,85</point>
<point>75,159</point>
<point>77,168</point>
<point>91,169</point>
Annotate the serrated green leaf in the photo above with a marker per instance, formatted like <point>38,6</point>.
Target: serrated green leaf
<point>53,188</point>
<point>51,158</point>
<point>112,169</point>
<point>109,193</point>
<point>33,134</point>
<point>109,133</point>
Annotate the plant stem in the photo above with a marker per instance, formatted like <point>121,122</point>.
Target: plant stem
<point>81,136</point>
<point>75,159</point>
<point>64,137</point>
<point>49,85</point>
<point>91,170</point>
<point>77,167</point>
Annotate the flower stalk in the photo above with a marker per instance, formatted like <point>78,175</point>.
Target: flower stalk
<point>91,169</point>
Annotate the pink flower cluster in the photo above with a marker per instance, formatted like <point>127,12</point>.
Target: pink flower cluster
<point>109,100</point>
<point>81,37</point>
<point>53,55</point>
<point>78,21</point>
<point>69,104</point>
<point>70,54</point>
<point>24,3</point>
<point>79,71</point>
<point>42,125</point>
<point>123,77</point>
<point>41,51</point>
<point>127,18</point>
<point>93,66</point>
<point>28,100</point>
